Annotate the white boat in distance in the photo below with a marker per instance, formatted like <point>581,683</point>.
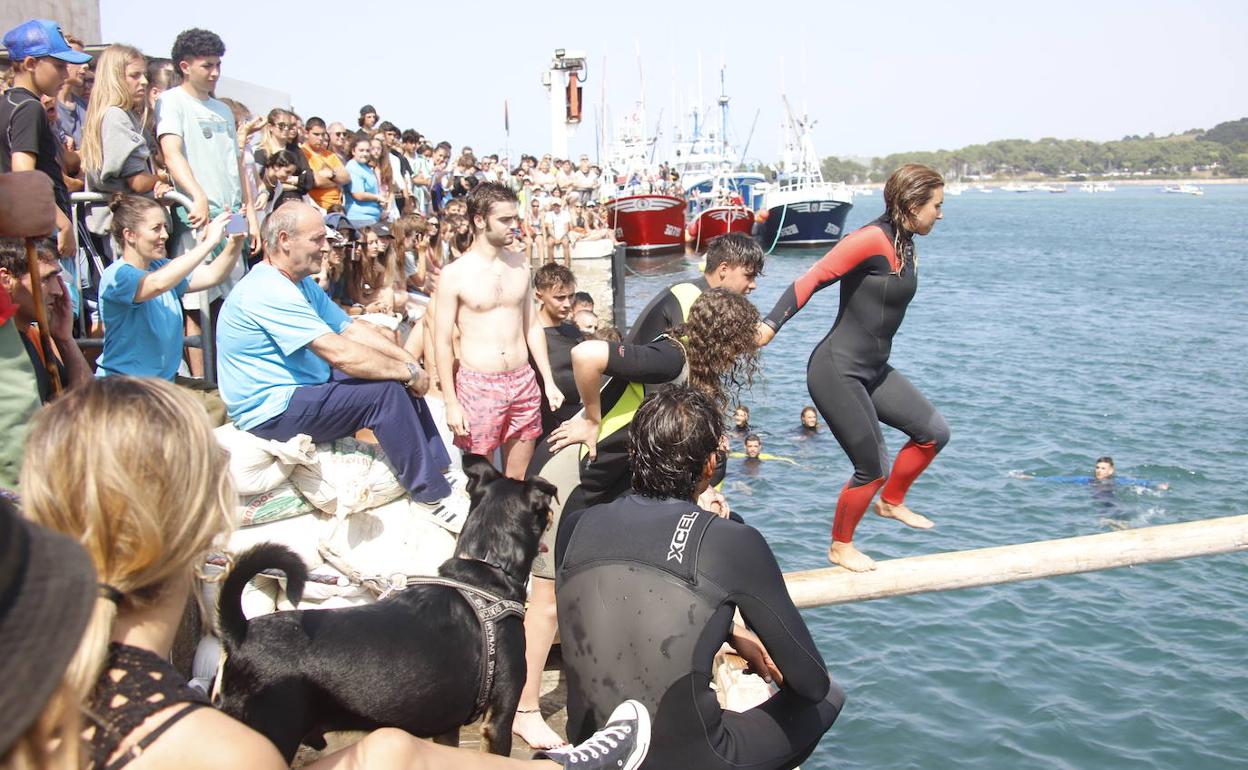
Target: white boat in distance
<point>1097,187</point>
<point>1018,188</point>
<point>1183,189</point>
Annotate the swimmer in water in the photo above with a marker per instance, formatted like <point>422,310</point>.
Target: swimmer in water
<point>753,456</point>
<point>810,422</point>
<point>741,420</point>
<point>1104,476</point>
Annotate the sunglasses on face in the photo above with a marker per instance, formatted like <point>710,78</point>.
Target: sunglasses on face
<point>283,126</point>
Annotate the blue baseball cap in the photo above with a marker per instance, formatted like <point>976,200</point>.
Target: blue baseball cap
<point>41,37</point>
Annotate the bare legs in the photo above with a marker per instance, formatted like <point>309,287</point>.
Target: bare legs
<point>540,622</point>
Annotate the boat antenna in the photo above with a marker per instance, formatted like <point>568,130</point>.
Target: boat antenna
<point>754,124</point>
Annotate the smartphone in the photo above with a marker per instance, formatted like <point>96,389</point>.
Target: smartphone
<point>236,225</point>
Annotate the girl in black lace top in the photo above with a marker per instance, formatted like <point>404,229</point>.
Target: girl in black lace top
<point>130,469</point>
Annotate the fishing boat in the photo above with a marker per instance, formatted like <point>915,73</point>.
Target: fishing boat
<point>646,217</point>
<point>800,208</point>
<point>718,197</point>
<point>647,222</point>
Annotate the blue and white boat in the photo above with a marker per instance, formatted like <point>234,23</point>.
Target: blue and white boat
<point>800,208</point>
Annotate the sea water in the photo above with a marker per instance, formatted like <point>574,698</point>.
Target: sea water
<point>1049,330</point>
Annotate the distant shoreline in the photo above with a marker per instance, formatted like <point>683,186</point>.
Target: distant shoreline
<point>1154,181</point>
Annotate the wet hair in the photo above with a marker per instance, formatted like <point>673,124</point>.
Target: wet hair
<point>670,438</point>
<point>808,408</point>
<point>736,250</point>
<point>481,200</point>
<point>552,275</point>
<point>743,408</point>
<point>1106,459</point>
<point>906,191</point>
<point>196,43</point>
<point>719,344</point>
<point>128,210</point>
<point>753,437</point>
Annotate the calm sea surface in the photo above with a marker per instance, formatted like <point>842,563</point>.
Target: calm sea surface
<point>1048,329</point>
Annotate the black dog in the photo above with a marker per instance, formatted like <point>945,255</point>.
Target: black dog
<point>412,660</point>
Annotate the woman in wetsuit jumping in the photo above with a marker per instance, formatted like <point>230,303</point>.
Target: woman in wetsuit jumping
<point>848,374</point>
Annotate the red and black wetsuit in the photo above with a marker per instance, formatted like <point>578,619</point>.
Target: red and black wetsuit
<point>848,375</point>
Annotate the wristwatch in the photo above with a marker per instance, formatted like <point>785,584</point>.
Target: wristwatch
<point>413,372</point>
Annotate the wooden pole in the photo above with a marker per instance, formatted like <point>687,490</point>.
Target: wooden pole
<point>41,317</point>
<point>1025,561</point>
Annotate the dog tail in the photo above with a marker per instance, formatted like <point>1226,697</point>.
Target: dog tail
<point>254,561</point>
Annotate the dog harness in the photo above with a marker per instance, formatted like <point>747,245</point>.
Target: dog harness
<point>489,610</point>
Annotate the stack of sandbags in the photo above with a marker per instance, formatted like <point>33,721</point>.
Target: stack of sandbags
<point>339,500</point>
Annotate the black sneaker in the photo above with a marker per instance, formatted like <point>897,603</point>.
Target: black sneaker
<point>620,745</point>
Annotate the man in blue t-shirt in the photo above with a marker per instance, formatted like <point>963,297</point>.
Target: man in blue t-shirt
<point>290,361</point>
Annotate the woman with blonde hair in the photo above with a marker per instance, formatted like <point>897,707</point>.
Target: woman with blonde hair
<point>130,469</point>
<point>115,155</point>
<point>848,375</point>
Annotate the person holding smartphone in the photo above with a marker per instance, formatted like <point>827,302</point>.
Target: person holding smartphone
<point>140,294</point>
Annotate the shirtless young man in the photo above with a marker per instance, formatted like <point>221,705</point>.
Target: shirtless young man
<point>485,295</point>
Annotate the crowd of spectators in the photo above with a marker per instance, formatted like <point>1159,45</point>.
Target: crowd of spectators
<point>315,250</point>
<point>284,230</point>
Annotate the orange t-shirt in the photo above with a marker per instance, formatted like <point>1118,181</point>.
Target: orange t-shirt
<point>325,197</point>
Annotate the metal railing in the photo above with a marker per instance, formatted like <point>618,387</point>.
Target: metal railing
<point>204,340</point>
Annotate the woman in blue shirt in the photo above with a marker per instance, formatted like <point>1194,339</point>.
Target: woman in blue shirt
<point>363,199</point>
<point>141,293</point>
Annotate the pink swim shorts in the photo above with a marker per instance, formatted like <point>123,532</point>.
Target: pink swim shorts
<point>499,407</point>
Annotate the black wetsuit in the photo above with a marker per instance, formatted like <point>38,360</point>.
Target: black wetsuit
<point>666,311</point>
<point>646,591</point>
<point>848,375</point>
<point>634,371</point>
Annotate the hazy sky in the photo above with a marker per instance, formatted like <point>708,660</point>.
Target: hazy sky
<point>879,77</point>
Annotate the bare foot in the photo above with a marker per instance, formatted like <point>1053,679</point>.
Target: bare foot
<point>903,514</point>
<point>534,731</point>
<point>849,557</point>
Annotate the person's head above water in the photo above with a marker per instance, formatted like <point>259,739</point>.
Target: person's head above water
<point>810,418</point>
<point>733,262</point>
<point>913,198</point>
<point>1104,468</point>
<point>753,446</point>
<point>741,417</point>
<point>672,443</point>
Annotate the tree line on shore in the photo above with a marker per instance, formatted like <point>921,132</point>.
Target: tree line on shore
<point>1219,151</point>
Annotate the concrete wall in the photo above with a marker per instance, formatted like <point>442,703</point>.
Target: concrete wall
<point>77,17</point>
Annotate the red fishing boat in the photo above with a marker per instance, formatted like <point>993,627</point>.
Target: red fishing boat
<point>648,222</point>
<point>715,221</point>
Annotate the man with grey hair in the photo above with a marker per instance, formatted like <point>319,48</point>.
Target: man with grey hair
<point>290,361</point>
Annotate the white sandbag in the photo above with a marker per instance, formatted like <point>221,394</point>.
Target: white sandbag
<point>347,476</point>
<point>397,538</point>
<point>282,502</point>
<point>258,464</point>
<point>301,534</point>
